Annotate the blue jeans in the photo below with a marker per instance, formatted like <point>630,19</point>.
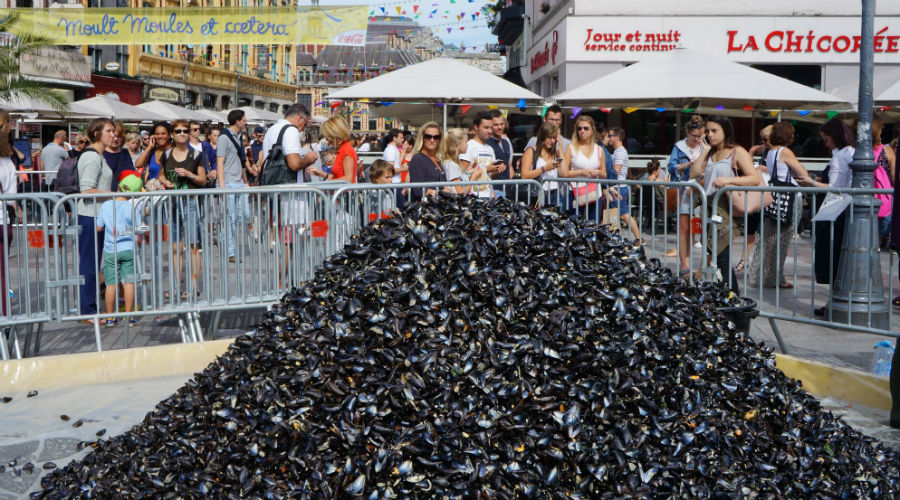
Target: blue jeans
<point>90,253</point>
<point>884,226</point>
<point>237,215</point>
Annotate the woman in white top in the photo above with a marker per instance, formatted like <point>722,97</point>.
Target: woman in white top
<point>545,163</point>
<point>583,158</point>
<point>837,137</point>
<point>8,186</point>
<point>715,169</point>
<point>454,145</point>
<point>782,164</point>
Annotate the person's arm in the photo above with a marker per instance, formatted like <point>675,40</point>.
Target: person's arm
<point>699,165</point>
<point>892,160</point>
<point>748,176</point>
<point>296,162</point>
<point>348,169</point>
<point>674,163</point>
<point>89,178</point>
<point>797,169</point>
<point>527,163</point>
<point>143,159</point>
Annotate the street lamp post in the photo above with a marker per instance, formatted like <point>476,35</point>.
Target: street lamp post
<point>858,292</point>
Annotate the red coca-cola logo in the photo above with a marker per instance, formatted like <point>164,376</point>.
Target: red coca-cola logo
<point>350,39</point>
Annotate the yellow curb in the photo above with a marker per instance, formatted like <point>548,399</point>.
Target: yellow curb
<point>845,384</point>
<point>43,372</point>
<point>23,375</point>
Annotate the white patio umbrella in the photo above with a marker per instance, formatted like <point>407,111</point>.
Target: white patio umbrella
<point>104,106</point>
<point>441,80</point>
<point>173,112</point>
<point>890,97</point>
<point>255,115</point>
<point>33,109</point>
<point>687,79</point>
<point>213,116</point>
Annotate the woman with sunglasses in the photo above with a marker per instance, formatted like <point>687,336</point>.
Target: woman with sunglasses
<point>424,166</point>
<point>81,142</point>
<point>585,158</point>
<point>182,168</point>
<point>685,152</point>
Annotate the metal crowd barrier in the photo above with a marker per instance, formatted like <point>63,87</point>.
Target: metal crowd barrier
<point>26,270</point>
<point>789,269</point>
<point>193,251</point>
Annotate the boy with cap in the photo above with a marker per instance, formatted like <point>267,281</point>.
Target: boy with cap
<point>120,215</point>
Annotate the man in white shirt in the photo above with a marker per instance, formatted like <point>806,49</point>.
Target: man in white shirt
<point>392,154</point>
<point>53,155</point>
<point>479,156</point>
<point>554,115</point>
<point>620,164</point>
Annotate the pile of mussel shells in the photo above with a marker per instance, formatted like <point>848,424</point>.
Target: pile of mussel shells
<point>480,349</point>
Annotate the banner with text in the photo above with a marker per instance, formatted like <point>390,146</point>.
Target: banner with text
<point>341,25</point>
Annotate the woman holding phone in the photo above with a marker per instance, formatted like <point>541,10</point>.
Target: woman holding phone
<point>543,161</point>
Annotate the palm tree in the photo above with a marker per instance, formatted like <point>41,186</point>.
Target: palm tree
<point>12,84</point>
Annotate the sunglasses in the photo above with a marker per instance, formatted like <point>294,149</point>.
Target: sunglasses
<point>82,142</point>
<point>181,131</point>
<point>583,128</point>
<point>429,137</point>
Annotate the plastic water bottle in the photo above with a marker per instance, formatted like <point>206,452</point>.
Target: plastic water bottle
<point>881,361</point>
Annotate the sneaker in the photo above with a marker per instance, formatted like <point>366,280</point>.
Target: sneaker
<point>132,321</point>
<point>109,322</point>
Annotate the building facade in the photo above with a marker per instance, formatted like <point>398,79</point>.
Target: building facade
<point>813,42</point>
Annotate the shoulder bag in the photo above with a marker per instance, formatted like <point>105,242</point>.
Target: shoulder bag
<point>747,202</point>
<point>782,210</point>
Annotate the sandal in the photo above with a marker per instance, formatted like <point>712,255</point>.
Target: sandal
<point>671,253</point>
<point>739,267</point>
<point>109,322</point>
<point>684,274</point>
<point>786,284</point>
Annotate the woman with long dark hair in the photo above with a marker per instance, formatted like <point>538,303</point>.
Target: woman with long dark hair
<point>543,161</point>
<point>837,137</point>
<point>8,185</point>
<point>716,167</point>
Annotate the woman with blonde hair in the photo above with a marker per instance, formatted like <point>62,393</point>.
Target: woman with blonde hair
<point>453,145</point>
<point>336,130</point>
<point>424,166</point>
<point>585,158</point>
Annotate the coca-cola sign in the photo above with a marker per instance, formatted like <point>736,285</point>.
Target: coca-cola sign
<point>547,55</point>
<point>356,38</point>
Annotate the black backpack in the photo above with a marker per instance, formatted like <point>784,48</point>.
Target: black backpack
<point>275,169</point>
<point>66,181</point>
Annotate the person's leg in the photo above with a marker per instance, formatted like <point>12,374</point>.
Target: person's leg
<point>125,263</point>
<point>723,261</point>
<point>109,271</point>
<point>231,224</point>
<point>87,264</point>
<point>684,241</point>
<point>129,296</point>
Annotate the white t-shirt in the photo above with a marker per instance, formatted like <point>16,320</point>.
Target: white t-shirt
<point>620,157</point>
<point>392,155</point>
<point>453,172</point>
<point>478,154</point>
<point>290,142</point>
<point>364,148</point>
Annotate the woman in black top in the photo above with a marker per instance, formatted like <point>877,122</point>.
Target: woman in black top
<point>425,166</point>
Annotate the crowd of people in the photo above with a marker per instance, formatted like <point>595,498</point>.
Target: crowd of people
<point>186,155</point>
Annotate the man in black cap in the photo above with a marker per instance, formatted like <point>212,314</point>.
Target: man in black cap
<point>256,146</point>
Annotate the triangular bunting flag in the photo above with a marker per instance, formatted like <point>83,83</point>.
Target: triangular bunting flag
<point>773,114</point>
<point>748,108</point>
<point>575,112</point>
<point>399,10</point>
<point>629,110</point>
<point>720,107</point>
<point>688,110</point>
<point>521,104</point>
<point>661,110</point>
<point>464,109</point>
<point>606,110</point>
<point>803,112</point>
<point>832,114</point>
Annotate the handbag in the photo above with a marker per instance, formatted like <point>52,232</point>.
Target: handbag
<point>587,192</point>
<point>746,202</point>
<point>782,209</point>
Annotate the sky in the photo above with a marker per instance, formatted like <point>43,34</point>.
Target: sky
<point>475,32</point>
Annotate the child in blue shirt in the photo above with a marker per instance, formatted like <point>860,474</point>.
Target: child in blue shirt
<point>118,217</point>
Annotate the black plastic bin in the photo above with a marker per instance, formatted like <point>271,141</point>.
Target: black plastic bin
<point>741,315</point>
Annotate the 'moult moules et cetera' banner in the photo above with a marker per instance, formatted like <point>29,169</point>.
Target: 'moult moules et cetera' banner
<point>340,25</point>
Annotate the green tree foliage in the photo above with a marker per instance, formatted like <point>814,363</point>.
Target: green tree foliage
<point>12,84</point>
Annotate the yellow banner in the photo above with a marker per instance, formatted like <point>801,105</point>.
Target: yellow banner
<point>340,25</point>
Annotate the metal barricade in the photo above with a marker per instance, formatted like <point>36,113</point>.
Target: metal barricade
<point>25,258</point>
<point>187,252</point>
<point>789,269</point>
<point>665,216</point>
<point>355,205</point>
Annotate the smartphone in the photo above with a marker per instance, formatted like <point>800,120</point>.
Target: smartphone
<point>498,162</point>
<point>558,160</point>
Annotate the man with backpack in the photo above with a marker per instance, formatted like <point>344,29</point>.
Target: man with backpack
<point>283,160</point>
<point>231,160</point>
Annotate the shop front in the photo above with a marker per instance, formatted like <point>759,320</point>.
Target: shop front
<point>567,51</point>
<point>127,90</point>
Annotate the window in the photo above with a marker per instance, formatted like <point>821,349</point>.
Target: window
<point>122,58</point>
<point>273,107</point>
<point>373,124</point>
<point>96,58</point>
<point>306,100</point>
<point>356,123</point>
<point>190,98</point>
<point>259,104</point>
<point>226,101</point>
<point>243,101</point>
<point>209,100</point>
